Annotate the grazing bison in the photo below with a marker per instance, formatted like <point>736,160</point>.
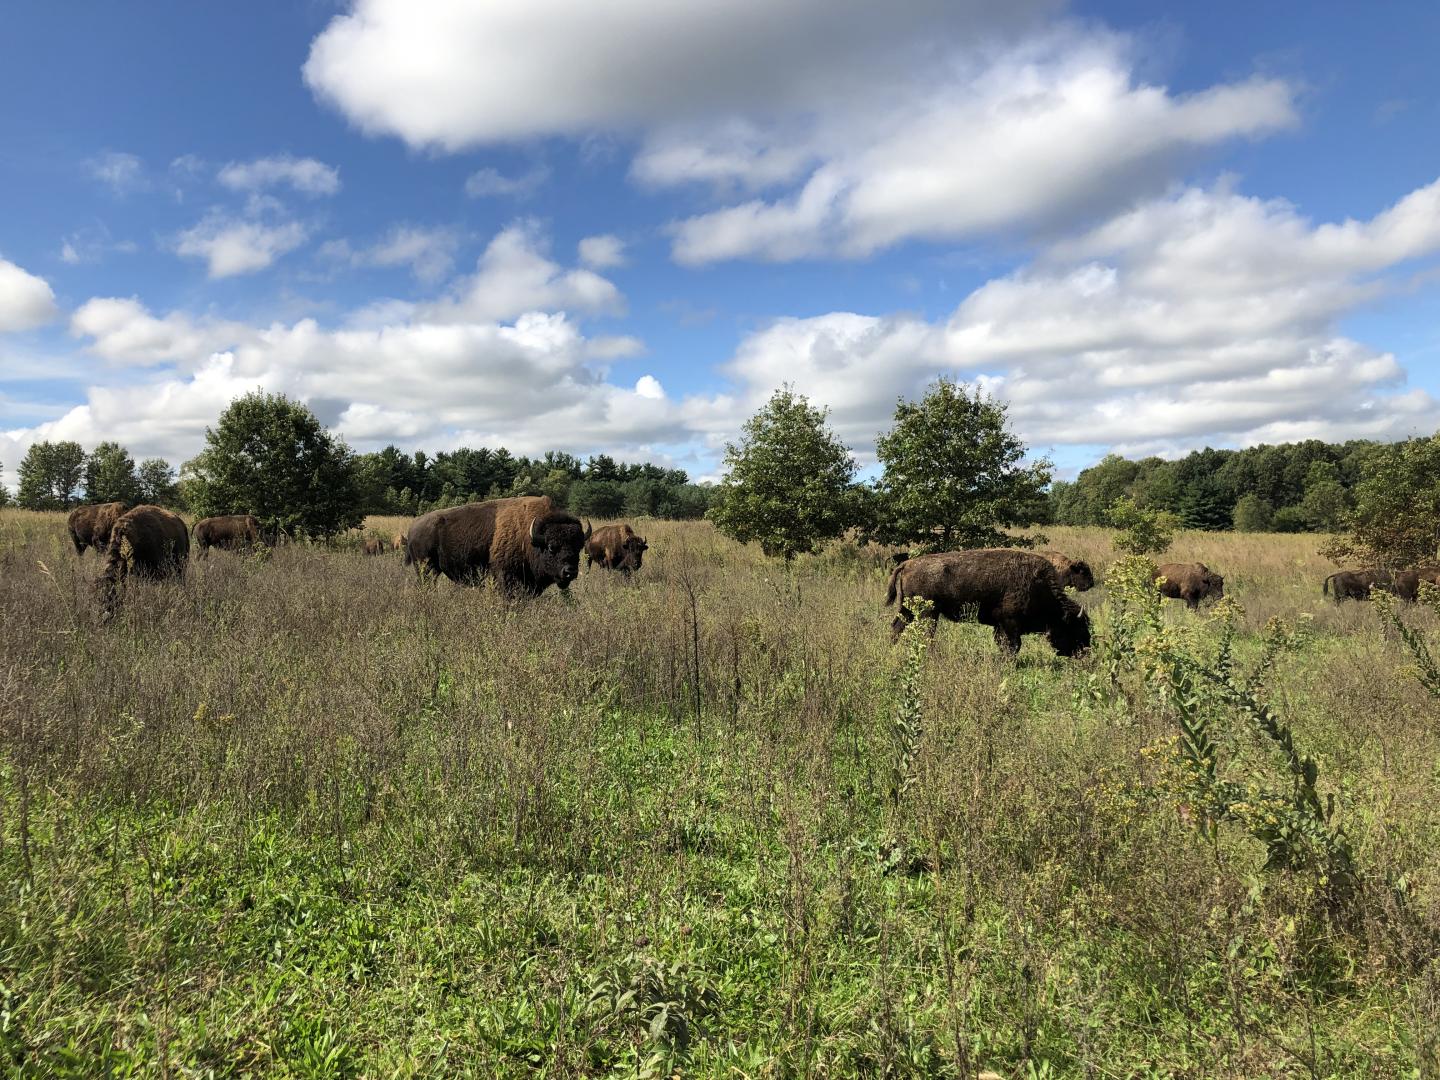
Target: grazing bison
<point>1015,592</point>
<point>148,541</point>
<point>1074,573</point>
<point>1191,582</point>
<point>525,543</point>
<point>420,550</point>
<point>90,525</point>
<point>232,532</point>
<point>373,545</point>
<point>1357,584</point>
<point>397,542</point>
<point>616,547</point>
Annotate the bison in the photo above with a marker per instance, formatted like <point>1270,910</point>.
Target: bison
<point>1073,573</point>
<point>230,532</point>
<point>616,547</point>
<point>373,545</point>
<point>397,542</point>
<point>1191,582</point>
<point>90,525</point>
<point>524,543</point>
<point>148,541</point>
<point>1355,584</point>
<point>1015,592</point>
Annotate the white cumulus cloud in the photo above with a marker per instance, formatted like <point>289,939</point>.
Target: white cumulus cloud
<point>26,301</point>
<point>491,183</point>
<point>233,246</point>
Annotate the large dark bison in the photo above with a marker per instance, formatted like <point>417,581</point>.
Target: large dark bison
<point>616,547</point>
<point>90,525</point>
<point>1016,592</point>
<point>230,532</point>
<point>1073,573</point>
<point>1359,584</point>
<point>525,544</point>
<point>148,541</point>
<point>1190,581</point>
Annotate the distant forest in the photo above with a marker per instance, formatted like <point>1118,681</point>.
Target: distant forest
<point>393,482</point>
<point>1292,487</point>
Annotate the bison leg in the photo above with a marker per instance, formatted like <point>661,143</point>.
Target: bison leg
<point>1192,602</point>
<point>79,544</point>
<point>1007,636</point>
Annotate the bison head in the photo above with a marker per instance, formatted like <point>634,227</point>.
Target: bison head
<point>555,543</point>
<point>1070,634</point>
<point>1214,585</point>
<point>1080,577</point>
<point>631,554</point>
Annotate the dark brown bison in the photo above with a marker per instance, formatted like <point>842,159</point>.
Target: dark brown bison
<point>1190,581</point>
<point>90,525</point>
<point>1355,584</point>
<point>525,543</point>
<point>1073,573</point>
<point>616,547</point>
<point>148,541</point>
<point>230,532</point>
<point>373,545</point>
<point>1016,592</point>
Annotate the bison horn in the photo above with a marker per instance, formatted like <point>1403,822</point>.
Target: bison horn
<point>535,531</point>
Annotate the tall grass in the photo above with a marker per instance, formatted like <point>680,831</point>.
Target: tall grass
<point>306,815</point>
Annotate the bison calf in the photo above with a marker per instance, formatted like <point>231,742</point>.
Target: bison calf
<point>229,532</point>
<point>616,547</point>
<point>1015,592</point>
<point>90,526</point>
<point>1191,582</point>
<point>1073,573</point>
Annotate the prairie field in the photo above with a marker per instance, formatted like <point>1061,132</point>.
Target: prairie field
<point>304,815</point>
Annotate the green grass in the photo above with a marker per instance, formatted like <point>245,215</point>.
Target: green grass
<point>303,817</point>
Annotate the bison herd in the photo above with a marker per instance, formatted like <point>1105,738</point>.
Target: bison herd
<point>527,544</point>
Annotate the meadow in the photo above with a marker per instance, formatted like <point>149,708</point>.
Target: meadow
<point>304,816</point>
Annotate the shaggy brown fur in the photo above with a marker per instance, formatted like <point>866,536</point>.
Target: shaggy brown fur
<point>525,543</point>
<point>230,532</point>
<point>616,547</point>
<point>419,544</point>
<point>1191,582</point>
<point>149,541</point>
<point>1359,584</point>
<point>1015,592</point>
<point>1074,573</point>
<point>90,525</point>
<point>397,542</point>
<point>373,545</point>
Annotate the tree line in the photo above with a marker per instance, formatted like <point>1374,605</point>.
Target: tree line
<point>270,456</point>
<point>1292,487</point>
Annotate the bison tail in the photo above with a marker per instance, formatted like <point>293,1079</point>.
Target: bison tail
<point>1325,588</point>
<point>894,585</point>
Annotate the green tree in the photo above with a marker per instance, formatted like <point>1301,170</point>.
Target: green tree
<point>597,498</point>
<point>1326,501</point>
<point>1142,531</point>
<point>954,475</point>
<point>110,475</point>
<point>1253,514</point>
<point>157,483</point>
<point>269,456</point>
<point>4,496</point>
<point>1396,520</point>
<point>50,473</point>
<point>788,483</point>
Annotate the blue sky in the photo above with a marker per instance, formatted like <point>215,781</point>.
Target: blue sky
<point>619,227</point>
